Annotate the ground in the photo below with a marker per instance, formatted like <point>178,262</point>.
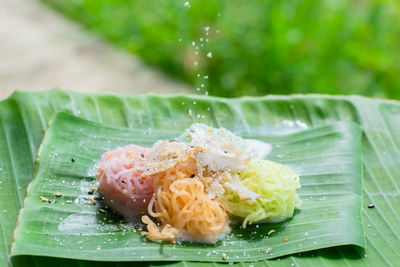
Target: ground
<point>40,50</point>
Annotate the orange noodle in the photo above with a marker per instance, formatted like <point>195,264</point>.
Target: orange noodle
<point>181,201</point>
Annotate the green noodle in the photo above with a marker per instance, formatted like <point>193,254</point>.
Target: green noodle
<point>275,183</point>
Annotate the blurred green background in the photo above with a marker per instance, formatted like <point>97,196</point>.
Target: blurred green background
<point>258,47</point>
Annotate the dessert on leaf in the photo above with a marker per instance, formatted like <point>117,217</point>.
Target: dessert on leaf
<point>190,188</point>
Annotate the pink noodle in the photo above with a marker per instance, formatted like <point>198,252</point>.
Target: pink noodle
<point>117,194</point>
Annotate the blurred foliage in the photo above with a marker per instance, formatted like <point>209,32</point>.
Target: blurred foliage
<point>260,46</point>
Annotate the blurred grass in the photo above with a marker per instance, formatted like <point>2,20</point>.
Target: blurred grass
<point>263,47</point>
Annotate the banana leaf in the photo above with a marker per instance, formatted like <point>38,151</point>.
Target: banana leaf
<point>24,117</point>
<point>330,215</point>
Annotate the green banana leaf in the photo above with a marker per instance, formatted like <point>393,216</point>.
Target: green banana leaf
<point>24,116</point>
<point>330,215</point>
